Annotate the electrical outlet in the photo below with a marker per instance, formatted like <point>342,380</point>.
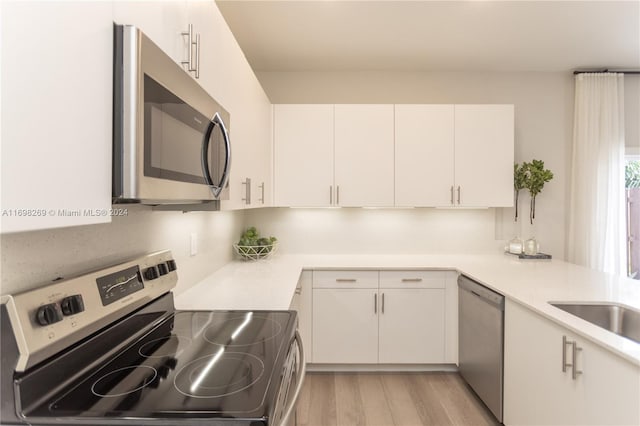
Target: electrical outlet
<point>194,243</point>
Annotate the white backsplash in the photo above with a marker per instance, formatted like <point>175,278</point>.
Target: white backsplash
<point>32,259</point>
<point>383,231</point>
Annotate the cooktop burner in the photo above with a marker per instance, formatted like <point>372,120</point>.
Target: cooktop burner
<point>242,330</point>
<point>124,381</point>
<point>219,375</point>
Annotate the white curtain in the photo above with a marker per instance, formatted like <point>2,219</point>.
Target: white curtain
<point>597,224</point>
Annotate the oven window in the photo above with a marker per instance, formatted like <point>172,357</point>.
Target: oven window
<point>173,135</point>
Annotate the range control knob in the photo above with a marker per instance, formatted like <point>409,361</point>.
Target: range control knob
<point>172,265</point>
<point>72,304</point>
<point>162,268</point>
<point>151,273</point>
<point>49,314</point>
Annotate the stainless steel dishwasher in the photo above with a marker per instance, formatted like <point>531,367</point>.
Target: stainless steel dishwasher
<point>480,333</point>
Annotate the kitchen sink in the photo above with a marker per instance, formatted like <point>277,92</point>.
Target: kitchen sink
<point>614,317</point>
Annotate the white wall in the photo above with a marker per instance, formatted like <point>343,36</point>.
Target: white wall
<point>544,119</point>
<point>632,113</point>
<point>367,231</point>
<point>32,259</point>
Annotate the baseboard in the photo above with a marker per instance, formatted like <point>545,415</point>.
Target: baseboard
<point>377,368</point>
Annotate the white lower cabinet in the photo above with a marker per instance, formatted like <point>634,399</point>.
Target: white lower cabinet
<point>411,326</point>
<point>538,392</point>
<point>345,326</point>
<point>386,317</point>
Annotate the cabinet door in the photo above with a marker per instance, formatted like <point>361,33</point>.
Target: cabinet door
<point>538,392</point>
<point>345,326</point>
<point>57,75</point>
<point>424,149</point>
<point>303,166</point>
<point>484,143</point>
<point>411,326</point>
<point>364,155</point>
<point>162,21</point>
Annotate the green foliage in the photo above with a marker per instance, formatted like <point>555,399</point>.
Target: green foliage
<point>519,176</point>
<point>632,174</point>
<point>519,179</point>
<point>531,176</point>
<point>537,176</point>
<point>251,237</point>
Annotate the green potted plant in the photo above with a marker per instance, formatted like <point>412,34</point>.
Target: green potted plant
<point>531,176</point>
<point>535,178</point>
<point>519,177</point>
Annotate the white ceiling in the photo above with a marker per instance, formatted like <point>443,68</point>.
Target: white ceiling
<point>338,35</point>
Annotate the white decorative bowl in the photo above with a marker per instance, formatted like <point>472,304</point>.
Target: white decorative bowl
<point>255,252</point>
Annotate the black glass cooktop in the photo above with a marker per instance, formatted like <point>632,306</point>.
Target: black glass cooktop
<point>194,364</point>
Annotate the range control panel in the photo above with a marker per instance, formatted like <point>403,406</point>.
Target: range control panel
<point>51,318</point>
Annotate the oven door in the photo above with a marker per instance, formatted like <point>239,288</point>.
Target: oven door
<point>181,144</point>
<point>290,386</point>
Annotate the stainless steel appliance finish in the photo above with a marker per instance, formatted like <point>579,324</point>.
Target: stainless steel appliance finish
<point>617,318</point>
<point>108,347</point>
<point>171,139</point>
<point>481,342</point>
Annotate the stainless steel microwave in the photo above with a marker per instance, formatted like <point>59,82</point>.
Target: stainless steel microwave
<point>171,138</point>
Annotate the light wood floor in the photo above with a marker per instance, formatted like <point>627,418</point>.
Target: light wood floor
<point>389,399</point>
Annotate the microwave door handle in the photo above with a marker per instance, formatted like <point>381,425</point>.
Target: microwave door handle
<point>216,189</point>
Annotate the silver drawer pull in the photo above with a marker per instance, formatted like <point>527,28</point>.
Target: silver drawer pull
<point>299,290</point>
<point>574,353</point>
<point>346,280</point>
<point>411,280</point>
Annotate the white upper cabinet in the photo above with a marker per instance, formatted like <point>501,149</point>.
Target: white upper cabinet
<point>364,164</point>
<point>57,75</point>
<point>386,155</point>
<point>484,144</point>
<point>162,21</point>
<point>424,155</point>
<point>303,160</point>
<point>454,155</point>
<point>223,71</point>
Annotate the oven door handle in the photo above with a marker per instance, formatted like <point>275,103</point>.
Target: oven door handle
<point>302,372</point>
<point>216,188</point>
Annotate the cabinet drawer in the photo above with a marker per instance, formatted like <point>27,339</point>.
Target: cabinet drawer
<point>412,279</point>
<point>345,279</point>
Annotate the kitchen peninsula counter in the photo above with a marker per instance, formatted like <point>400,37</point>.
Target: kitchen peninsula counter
<point>270,285</point>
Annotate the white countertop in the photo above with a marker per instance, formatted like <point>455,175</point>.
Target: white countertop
<point>270,285</point>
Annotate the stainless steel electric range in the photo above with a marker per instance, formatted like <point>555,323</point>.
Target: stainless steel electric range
<point>108,347</point>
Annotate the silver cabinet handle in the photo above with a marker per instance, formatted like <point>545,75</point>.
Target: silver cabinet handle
<point>330,195</point>
<point>565,342</point>
<point>411,280</point>
<point>452,202</point>
<point>346,280</point>
<point>574,352</point>
<point>298,290</point>
<point>302,371</point>
<point>193,61</point>
<point>375,303</point>
<point>383,303</point>
<point>197,67</point>
<point>189,61</point>
<point>458,194</point>
<point>337,195</point>
<point>247,191</point>
<point>262,192</point>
